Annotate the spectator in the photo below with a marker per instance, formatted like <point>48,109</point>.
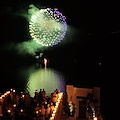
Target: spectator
<point>36,95</point>
<point>27,100</point>
<point>17,99</point>
<point>47,113</point>
<point>43,93</point>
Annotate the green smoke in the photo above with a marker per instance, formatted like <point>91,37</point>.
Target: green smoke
<point>32,9</point>
<point>23,48</point>
<point>28,14</point>
<point>28,47</point>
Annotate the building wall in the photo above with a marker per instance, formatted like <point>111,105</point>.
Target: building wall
<point>81,92</point>
<point>73,92</point>
<point>70,92</point>
<point>96,92</point>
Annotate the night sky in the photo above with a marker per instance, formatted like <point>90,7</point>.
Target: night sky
<point>92,44</point>
<point>93,37</point>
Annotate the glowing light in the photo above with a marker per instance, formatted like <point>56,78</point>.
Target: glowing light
<point>95,118</point>
<point>5,94</point>
<point>8,92</point>
<point>2,96</point>
<point>52,118</point>
<point>54,111</point>
<point>55,8</point>
<point>45,61</point>
<point>23,96</point>
<point>21,110</point>
<point>37,112</point>
<point>93,113</point>
<point>13,90</point>
<point>57,104</point>
<point>56,107</point>
<point>53,115</point>
<point>14,105</point>
<point>9,111</point>
<point>47,26</point>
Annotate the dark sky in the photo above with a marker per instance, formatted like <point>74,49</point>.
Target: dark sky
<point>93,21</point>
<point>88,15</point>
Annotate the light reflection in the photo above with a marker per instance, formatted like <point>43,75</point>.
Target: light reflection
<point>95,118</point>
<point>47,79</point>
<point>45,63</point>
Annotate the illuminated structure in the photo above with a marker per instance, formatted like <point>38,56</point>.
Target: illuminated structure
<point>56,114</point>
<point>47,26</point>
<point>86,101</point>
<point>39,57</point>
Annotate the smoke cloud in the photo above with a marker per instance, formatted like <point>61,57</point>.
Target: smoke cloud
<point>28,47</point>
<point>23,48</point>
<point>27,14</point>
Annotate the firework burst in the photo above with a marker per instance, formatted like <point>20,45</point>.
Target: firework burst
<point>47,26</point>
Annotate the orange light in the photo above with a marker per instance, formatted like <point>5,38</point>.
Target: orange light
<point>57,104</point>
<point>53,115</point>
<point>8,92</point>
<point>2,96</point>
<point>45,61</point>
<point>95,118</point>
<point>21,110</point>
<point>52,118</point>
<point>37,112</point>
<point>5,94</point>
<point>14,105</point>
<point>13,90</point>
<point>9,111</point>
<point>23,96</point>
<point>56,107</point>
<point>54,112</point>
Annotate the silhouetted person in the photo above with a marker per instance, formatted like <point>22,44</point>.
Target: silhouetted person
<point>47,112</point>
<point>43,93</point>
<point>27,100</point>
<point>36,95</point>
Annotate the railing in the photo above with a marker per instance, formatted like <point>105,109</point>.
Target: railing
<point>57,110</point>
<point>9,107</point>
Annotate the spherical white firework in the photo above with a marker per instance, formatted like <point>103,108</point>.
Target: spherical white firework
<point>47,26</point>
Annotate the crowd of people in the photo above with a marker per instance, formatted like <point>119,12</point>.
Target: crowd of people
<point>20,106</point>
